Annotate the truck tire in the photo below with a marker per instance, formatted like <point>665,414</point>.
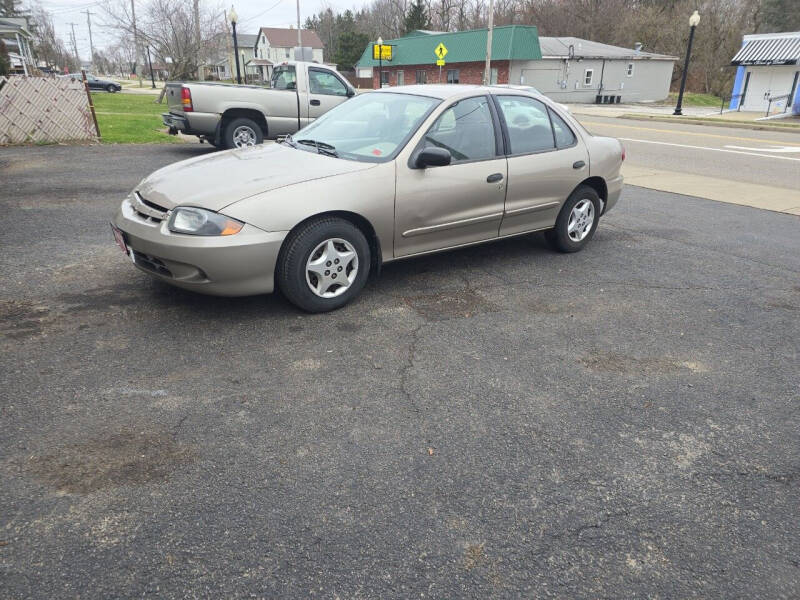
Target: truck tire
<point>242,132</point>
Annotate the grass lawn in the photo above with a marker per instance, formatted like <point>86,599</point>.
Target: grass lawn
<point>695,99</point>
<point>130,119</point>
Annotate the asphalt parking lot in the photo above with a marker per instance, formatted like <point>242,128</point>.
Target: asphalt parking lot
<point>500,421</point>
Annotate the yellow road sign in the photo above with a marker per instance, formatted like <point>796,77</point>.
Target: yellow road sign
<point>440,51</point>
<point>381,52</point>
<point>440,63</point>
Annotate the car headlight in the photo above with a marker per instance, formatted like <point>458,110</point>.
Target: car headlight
<point>198,221</point>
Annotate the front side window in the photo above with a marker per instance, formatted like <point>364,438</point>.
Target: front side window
<point>452,75</point>
<point>284,78</point>
<point>528,124</point>
<point>588,75</point>
<point>466,130</point>
<point>422,76</point>
<point>325,82</point>
<point>370,127</point>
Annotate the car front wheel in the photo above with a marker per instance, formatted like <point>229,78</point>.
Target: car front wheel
<point>323,265</point>
<point>577,221</point>
<point>111,89</point>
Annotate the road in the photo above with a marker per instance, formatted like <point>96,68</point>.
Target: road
<point>756,168</point>
<point>500,421</point>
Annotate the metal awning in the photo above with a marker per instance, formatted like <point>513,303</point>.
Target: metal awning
<point>783,50</point>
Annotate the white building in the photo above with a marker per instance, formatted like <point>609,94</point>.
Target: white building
<point>275,45</point>
<point>768,68</point>
<point>14,32</point>
<point>577,70</point>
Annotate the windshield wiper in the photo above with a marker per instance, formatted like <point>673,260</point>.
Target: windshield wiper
<point>322,147</point>
<point>288,140</point>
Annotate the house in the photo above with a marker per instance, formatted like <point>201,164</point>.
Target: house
<point>768,69</point>
<point>247,44</point>
<point>275,45</point>
<point>14,32</point>
<point>582,71</point>
<point>565,68</point>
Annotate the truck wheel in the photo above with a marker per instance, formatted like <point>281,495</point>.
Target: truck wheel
<point>242,132</point>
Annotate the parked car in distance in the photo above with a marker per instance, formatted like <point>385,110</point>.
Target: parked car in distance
<point>235,116</point>
<point>391,174</point>
<point>97,83</point>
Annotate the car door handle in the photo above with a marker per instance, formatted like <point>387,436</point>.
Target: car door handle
<point>578,164</point>
<point>315,103</point>
<point>494,177</point>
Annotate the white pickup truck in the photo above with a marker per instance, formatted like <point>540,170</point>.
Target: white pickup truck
<point>234,116</point>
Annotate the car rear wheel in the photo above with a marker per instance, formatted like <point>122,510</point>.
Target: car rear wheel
<point>323,264</point>
<point>242,132</point>
<point>111,89</point>
<point>577,221</point>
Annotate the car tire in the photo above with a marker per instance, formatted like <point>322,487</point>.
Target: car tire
<point>304,255</point>
<point>111,89</point>
<point>577,221</point>
<point>242,132</point>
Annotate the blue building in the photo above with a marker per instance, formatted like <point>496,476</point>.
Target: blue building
<point>768,73</point>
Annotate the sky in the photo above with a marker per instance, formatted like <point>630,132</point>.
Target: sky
<point>252,15</point>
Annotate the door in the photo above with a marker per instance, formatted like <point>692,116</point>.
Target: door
<point>325,90</point>
<point>546,161</point>
<point>440,207</point>
<point>401,78</point>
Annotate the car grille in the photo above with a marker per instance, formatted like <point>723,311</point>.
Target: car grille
<point>147,210</point>
<point>151,263</point>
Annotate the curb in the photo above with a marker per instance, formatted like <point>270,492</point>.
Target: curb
<point>790,128</point>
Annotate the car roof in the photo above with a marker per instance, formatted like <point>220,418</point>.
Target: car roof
<point>444,91</point>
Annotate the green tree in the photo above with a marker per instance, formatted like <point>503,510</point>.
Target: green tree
<point>417,17</point>
<point>351,46</point>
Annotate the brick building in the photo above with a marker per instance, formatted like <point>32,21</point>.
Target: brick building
<point>414,60</point>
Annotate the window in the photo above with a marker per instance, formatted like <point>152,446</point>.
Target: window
<point>384,78</point>
<point>588,75</point>
<point>422,76</point>
<point>629,70</point>
<point>465,129</point>
<point>401,78</point>
<point>493,76</point>
<point>325,82</point>
<point>283,78</point>
<point>528,124</point>
<point>452,75</point>
<point>564,135</point>
<point>287,53</point>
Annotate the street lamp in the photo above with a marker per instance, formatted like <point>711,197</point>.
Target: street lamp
<point>380,62</point>
<point>694,20</point>
<point>234,17</point>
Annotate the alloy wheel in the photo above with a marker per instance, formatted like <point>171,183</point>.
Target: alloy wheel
<point>244,136</point>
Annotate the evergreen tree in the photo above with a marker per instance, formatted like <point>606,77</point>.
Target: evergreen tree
<point>417,17</point>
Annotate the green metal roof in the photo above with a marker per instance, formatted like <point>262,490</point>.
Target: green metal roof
<point>509,42</point>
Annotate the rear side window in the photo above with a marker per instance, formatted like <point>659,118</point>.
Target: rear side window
<point>283,78</point>
<point>564,135</point>
<point>528,124</point>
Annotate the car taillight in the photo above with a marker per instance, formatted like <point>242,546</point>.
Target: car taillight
<point>623,153</point>
<point>186,99</point>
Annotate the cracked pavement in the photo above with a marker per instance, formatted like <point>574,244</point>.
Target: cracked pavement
<point>495,422</point>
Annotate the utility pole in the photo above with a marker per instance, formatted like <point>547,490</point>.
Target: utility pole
<point>196,9</point>
<point>91,45</point>
<point>75,45</point>
<point>299,37</point>
<point>487,72</point>
<point>135,43</point>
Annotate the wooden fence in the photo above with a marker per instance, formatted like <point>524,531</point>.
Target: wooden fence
<point>44,110</point>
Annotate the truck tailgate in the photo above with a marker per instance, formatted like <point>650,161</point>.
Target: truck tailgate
<point>173,95</point>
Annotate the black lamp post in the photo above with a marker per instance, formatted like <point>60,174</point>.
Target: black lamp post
<point>235,18</point>
<point>380,62</point>
<point>150,63</point>
<point>694,20</point>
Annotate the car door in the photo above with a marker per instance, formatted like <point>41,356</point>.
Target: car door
<point>94,83</point>
<point>325,90</point>
<point>461,203</point>
<point>546,161</point>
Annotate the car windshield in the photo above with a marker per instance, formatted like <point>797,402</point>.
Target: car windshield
<point>371,127</point>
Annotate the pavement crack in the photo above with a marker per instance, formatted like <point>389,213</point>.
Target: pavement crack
<point>405,369</point>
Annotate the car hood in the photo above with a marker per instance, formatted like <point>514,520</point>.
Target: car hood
<point>214,181</point>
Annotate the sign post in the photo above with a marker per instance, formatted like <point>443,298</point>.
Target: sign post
<point>381,52</point>
<point>440,52</point>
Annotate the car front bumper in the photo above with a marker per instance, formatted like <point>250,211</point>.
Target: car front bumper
<point>242,264</point>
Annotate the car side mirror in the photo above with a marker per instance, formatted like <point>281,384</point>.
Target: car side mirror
<point>433,157</point>
<point>350,92</point>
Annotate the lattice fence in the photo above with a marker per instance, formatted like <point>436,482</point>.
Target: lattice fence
<point>41,109</point>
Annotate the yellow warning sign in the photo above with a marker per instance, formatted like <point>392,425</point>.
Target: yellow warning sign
<point>440,63</point>
<point>440,51</point>
<point>381,52</point>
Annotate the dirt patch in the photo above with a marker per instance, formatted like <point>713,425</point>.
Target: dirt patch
<point>614,362</point>
<point>123,458</point>
<point>100,298</point>
<point>438,307</point>
<point>473,555</point>
<point>21,319</point>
